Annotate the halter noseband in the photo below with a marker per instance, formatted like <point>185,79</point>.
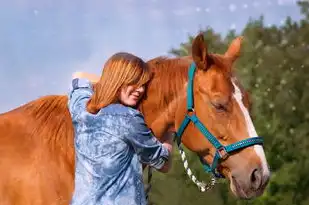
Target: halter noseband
<point>222,152</point>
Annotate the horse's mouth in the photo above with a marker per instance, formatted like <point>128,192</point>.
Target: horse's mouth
<point>242,193</point>
<point>237,190</point>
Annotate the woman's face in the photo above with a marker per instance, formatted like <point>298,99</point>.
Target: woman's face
<point>131,95</point>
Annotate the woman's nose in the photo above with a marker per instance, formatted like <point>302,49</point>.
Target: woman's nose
<point>140,89</point>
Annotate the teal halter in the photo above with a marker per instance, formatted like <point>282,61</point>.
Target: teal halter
<point>222,152</point>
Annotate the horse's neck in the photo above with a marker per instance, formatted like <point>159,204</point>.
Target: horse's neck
<point>165,93</point>
<point>162,121</point>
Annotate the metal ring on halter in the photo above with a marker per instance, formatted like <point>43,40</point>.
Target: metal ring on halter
<point>191,111</point>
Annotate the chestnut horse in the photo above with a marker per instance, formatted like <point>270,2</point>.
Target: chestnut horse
<point>37,139</point>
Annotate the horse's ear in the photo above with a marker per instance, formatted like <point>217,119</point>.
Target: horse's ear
<point>233,51</point>
<point>199,52</point>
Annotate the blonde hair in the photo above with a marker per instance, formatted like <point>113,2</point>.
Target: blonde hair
<point>121,70</point>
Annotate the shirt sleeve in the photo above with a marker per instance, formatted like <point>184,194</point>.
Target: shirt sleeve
<point>149,150</point>
<point>79,94</point>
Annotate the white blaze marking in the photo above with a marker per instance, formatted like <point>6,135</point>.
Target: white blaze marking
<point>251,129</point>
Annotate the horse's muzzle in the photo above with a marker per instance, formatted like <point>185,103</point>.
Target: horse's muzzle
<point>248,185</point>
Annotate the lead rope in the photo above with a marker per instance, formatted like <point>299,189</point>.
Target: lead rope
<point>148,186</point>
<point>200,184</point>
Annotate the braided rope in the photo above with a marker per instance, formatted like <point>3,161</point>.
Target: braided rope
<point>200,184</point>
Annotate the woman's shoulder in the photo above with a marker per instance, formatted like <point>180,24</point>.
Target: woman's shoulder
<point>121,110</point>
<point>123,117</point>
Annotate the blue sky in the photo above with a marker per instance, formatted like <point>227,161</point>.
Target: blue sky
<point>43,42</point>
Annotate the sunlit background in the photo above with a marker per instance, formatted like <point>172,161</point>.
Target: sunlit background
<point>43,42</point>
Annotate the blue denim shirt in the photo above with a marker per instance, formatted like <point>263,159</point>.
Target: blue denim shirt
<point>110,147</point>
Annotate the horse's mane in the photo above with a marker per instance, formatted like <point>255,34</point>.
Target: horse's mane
<point>48,117</point>
<point>170,76</point>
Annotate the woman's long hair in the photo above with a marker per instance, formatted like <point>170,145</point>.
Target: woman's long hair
<point>121,70</point>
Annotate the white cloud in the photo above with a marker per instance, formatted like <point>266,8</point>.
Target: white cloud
<point>232,7</point>
<point>35,12</point>
<point>233,26</point>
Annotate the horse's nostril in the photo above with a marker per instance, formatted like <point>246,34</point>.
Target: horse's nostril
<point>253,175</point>
<point>256,179</point>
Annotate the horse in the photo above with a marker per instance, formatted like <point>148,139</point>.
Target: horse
<point>199,92</point>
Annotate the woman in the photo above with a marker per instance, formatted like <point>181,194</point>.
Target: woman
<point>111,137</point>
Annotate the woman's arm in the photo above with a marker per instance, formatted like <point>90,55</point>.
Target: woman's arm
<point>150,150</point>
<point>80,92</point>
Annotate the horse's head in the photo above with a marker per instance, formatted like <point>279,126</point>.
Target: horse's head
<point>221,105</point>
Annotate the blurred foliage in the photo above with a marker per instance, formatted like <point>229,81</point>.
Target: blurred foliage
<point>273,68</point>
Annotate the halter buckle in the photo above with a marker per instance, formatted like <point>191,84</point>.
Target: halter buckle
<point>223,153</point>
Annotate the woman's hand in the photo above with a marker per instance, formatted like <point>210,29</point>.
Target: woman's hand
<point>91,77</point>
<point>167,141</point>
<point>168,144</point>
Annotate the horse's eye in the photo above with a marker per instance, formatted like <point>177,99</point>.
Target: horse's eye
<point>219,107</point>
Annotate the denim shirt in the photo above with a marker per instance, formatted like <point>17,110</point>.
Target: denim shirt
<point>110,147</point>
